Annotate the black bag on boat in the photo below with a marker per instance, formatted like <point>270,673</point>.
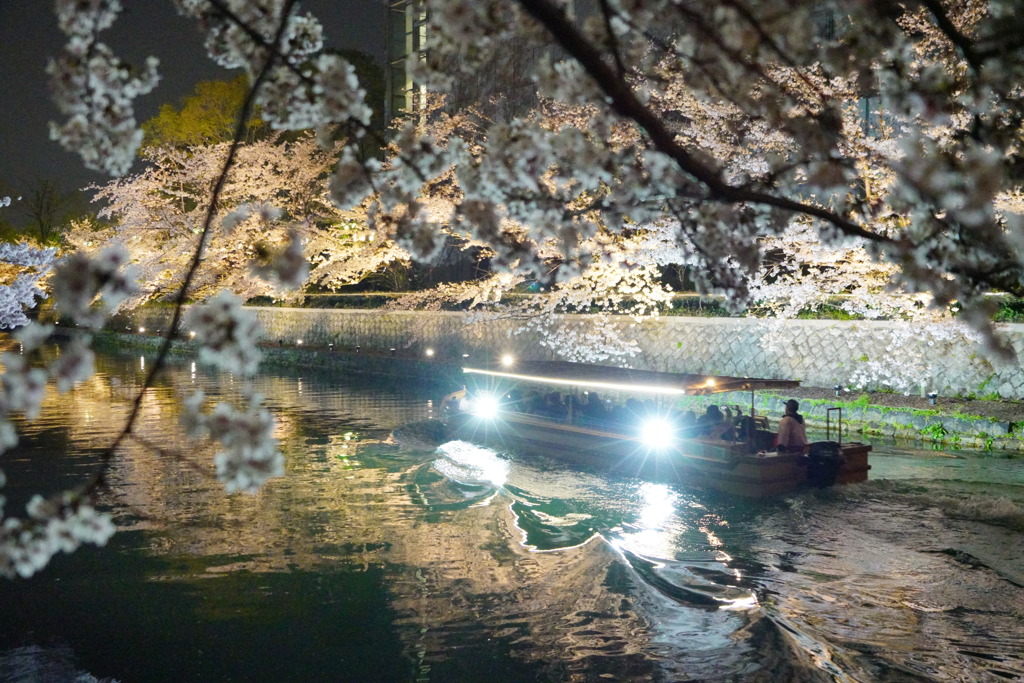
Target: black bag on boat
<point>826,459</point>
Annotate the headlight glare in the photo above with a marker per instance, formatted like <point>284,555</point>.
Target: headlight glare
<point>486,406</point>
<point>657,433</point>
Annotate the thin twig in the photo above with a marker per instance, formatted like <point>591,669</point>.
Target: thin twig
<point>197,258</point>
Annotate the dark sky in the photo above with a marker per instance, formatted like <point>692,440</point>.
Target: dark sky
<point>29,35</point>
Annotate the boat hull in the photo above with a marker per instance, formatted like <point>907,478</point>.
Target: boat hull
<point>724,466</point>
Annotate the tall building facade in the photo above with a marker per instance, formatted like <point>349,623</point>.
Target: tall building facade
<point>407,37</point>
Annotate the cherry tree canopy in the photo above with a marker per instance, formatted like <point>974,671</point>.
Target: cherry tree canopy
<point>892,125</point>
<point>273,197</point>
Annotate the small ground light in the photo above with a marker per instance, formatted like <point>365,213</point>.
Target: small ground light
<point>429,353</point>
<point>393,352</point>
<point>839,389</point>
<point>142,330</point>
<point>507,360</point>
<point>465,355</point>
<point>932,397</point>
<point>357,348</point>
<point>298,342</point>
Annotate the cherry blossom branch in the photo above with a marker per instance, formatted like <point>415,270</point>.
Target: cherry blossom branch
<point>962,43</point>
<point>179,303</point>
<point>774,46</point>
<point>625,102</point>
<point>613,40</point>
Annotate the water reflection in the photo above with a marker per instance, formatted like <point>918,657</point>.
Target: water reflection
<point>465,563</point>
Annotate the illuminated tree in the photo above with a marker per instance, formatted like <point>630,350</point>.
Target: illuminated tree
<point>275,194</point>
<point>207,117</point>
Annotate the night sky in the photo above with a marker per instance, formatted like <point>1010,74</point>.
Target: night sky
<point>29,35</point>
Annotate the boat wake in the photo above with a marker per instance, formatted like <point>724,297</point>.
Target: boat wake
<point>469,465</point>
<point>682,582</point>
<point>999,511</point>
<point>967,504</point>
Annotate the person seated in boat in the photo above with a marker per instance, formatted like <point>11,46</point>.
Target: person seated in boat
<point>792,431</point>
<point>686,422</point>
<point>624,416</point>
<point>634,408</point>
<point>535,403</point>
<point>617,415</point>
<point>743,430</point>
<point>554,407</point>
<point>454,401</point>
<point>593,409</point>
<point>712,422</point>
<point>737,428</point>
<point>573,408</point>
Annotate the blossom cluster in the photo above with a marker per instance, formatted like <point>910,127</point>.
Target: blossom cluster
<point>89,289</point>
<point>226,334</point>
<point>24,292</point>
<point>52,526</point>
<point>289,267</point>
<point>240,33</point>
<point>95,89</point>
<point>250,455</point>
<point>322,92</point>
<point>303,88</point>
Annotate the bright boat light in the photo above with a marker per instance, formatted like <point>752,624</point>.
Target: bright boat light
<point>485,406</point>
<point>658,433</point>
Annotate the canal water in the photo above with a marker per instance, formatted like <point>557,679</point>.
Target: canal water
<point>373,560</point>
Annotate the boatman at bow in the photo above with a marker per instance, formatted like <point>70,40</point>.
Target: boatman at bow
<point>792,432</point>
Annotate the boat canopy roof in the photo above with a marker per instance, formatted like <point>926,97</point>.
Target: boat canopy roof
<point>626,379</point>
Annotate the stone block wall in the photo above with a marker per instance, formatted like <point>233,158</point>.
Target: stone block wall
<point>816,352</point>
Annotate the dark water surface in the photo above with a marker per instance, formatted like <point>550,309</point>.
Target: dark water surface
<point>377,561</point>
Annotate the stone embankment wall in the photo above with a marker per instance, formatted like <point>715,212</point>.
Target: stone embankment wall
<point>816,352</point>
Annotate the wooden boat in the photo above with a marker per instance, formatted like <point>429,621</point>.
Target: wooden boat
<point>744,464</point>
